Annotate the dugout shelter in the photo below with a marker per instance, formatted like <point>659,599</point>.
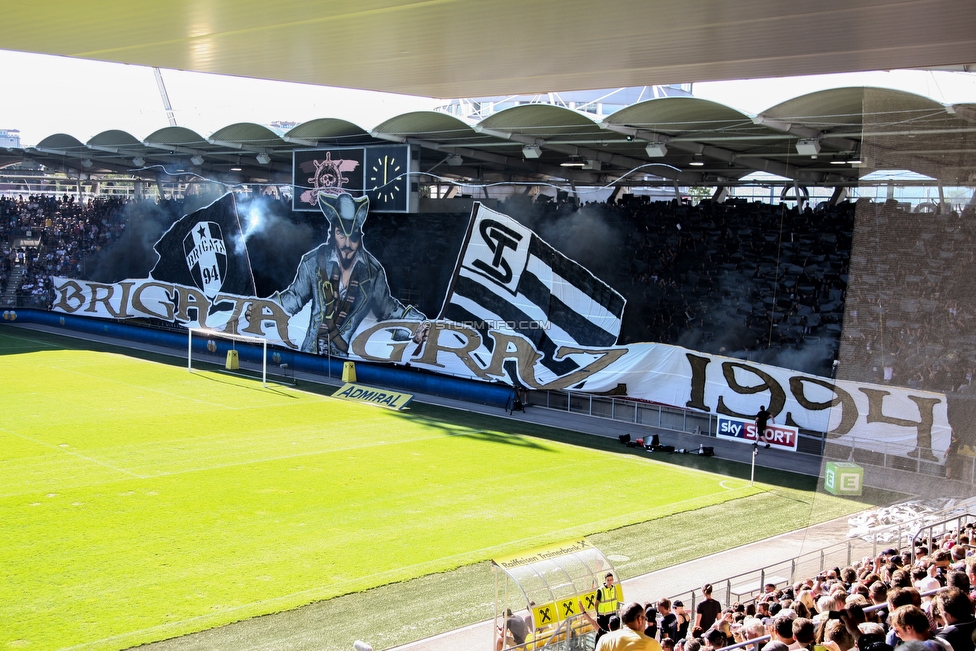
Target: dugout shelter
<point>550,587</point>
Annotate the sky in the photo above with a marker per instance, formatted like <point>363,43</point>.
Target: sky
<point>83,98</point>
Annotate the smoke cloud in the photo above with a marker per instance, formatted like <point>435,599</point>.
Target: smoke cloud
<point>132,255</point>
<point>276,240</point>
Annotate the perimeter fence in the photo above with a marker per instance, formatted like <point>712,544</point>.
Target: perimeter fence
<point>746,586</point>
<point>678,419</point>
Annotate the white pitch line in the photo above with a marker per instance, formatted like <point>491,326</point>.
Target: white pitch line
<point>57,448</point>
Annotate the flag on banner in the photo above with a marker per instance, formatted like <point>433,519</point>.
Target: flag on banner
<point>510,280</point>
<point>205,249</point>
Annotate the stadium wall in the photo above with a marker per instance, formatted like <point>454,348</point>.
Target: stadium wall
<point>403,379</point>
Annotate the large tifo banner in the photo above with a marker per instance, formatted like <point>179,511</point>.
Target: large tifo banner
<point>517,311</point>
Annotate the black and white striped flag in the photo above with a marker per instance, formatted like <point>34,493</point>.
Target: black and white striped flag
<point>510,280</point>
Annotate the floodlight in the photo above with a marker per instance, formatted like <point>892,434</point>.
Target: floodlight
<point>454,160</point>
<point>808,147</point>
<point>197,160</point>
<point>86,162</point>
<point>263,158</point>
<point>656,149</point>
<point>532,151</point>
<point>138,161</point>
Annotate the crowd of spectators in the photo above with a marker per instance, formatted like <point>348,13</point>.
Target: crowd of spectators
<point>917,599</point>
<point>48,236</point>
<point>56,234</point>
<point>911,314</point>
<point>6,263</point>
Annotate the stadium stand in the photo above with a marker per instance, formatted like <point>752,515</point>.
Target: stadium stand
<point>757,281</point>
<point>746,279</point>
<point>43,236</point>
<point>750,280</point>
<point>911,325</point>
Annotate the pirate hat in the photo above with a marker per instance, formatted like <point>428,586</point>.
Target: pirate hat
<point>344,212</point>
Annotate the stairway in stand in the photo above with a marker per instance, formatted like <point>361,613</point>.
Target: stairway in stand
<point>9,296</point>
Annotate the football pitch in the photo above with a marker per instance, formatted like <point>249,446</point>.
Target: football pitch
<point>139,501</point>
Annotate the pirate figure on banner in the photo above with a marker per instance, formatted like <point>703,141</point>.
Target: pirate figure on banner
<point>345,283</point>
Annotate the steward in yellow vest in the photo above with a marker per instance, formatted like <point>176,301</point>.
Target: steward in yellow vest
<point>607,602</point>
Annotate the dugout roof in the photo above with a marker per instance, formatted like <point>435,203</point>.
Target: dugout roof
<point>555,579</point>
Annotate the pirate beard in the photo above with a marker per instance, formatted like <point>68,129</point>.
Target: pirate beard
<point>347,257</point>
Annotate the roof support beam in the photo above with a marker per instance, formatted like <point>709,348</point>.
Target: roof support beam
<point>625,162</point>
<point>719,153</point>
<point>809,133</point>
<point>497,159</point>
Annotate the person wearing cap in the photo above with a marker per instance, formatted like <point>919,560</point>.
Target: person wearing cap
<point>669,621</point>
<point>344,283</point>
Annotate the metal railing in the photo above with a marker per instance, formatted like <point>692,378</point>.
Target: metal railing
<point>928,532</point>
<point>678,419</point>
<point>750,584</point>
<point>628,410</point>
<point>925,463</point>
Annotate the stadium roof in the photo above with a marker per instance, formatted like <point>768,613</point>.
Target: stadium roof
<point>853,132</point>
<point>458,48</point>
<point>461,48</point>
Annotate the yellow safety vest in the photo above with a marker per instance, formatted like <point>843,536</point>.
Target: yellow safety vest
<point>607,600</point>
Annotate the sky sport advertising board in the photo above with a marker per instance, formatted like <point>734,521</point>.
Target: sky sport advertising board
<point>781,437</point>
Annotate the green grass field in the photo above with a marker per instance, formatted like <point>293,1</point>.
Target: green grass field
<point>139,501</point>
